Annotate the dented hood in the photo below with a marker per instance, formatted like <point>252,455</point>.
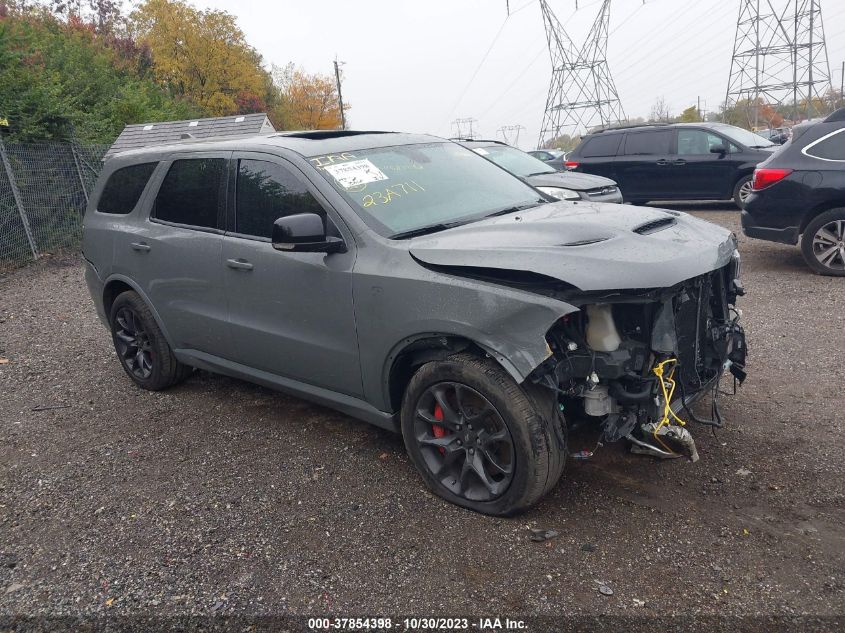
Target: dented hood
<point>591,246</point>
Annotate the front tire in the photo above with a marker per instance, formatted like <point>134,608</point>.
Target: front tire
<point>141,347</point>
<point>742,190</point>
<point>480,440</point>
<point>823,243</point>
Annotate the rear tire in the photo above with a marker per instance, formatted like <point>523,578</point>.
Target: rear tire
<point>823,243</point>
<point>478,439</point>
<point>742,189</point>
<point>141,347</point>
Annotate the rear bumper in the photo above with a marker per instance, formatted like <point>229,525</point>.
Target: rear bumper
<point>783,235</point>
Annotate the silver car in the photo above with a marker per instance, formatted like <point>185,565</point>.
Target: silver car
<point>409,282</point>
<point>561,185</point>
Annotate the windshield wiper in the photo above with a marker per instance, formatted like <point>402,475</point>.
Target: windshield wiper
<point>521,207</point>
<point>425,230</point>
<point>442,226</point>
<point>542,173</point>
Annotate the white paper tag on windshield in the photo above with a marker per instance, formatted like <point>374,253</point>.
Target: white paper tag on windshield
<point>355,173</point>
<point>481,150</point>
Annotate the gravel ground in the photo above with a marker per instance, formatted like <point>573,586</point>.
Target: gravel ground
<point>222,497</point>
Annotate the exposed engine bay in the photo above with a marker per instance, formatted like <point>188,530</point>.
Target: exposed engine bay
<point>633,362</point>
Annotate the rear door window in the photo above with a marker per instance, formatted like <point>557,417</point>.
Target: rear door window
<point>191,193</point>
<point>699,142</point>
<point>652,143</point>
<point>602,145</point>
<point>830,147</point>
<point>266,192</point>
<point>124,188</point>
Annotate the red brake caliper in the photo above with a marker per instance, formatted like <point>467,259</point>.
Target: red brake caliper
<point>438,430</point>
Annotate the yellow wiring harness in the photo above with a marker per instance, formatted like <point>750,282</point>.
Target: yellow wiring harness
<point>667,386</point>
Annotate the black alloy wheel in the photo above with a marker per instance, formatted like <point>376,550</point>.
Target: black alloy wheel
<point>464,441</point>
<point>132,343</point>
<point>140,345</point>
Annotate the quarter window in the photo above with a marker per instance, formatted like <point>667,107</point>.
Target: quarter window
<point>190,193</point>
<point>124,188</point>
<point>831,147</point>
<point>648,143</point>
<point>266,192</point>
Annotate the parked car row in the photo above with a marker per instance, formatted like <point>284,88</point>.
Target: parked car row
<point>415,284</point>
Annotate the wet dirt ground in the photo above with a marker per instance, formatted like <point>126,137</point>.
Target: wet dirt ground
<point>222,497</point>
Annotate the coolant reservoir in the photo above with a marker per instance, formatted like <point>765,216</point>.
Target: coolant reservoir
<point>602,335</point>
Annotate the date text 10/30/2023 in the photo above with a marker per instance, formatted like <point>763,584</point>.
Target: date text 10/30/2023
<point>417,624</point>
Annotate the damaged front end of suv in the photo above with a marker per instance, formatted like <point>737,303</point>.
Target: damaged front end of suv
<point>634,361</point>
<point>651,323</point>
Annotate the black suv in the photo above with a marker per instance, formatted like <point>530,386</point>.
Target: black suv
<point>800,191</point>
<point>680,161</point>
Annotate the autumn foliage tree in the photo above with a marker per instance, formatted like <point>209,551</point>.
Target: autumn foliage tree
<point>202,55</point>
<point>305,101</point>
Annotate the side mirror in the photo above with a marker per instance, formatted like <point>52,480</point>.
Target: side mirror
<point>719,149</point>
<point>304,233</point>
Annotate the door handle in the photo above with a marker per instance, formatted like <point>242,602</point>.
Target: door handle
<point>662,162</point>
<point>239,264</point>
<point>140,246</point>
<point>680,162</point>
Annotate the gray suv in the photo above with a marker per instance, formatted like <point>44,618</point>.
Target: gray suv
<point>409,282</point>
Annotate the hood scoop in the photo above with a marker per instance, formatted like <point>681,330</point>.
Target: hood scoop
<point>592,240</point>
<point>654,226</point>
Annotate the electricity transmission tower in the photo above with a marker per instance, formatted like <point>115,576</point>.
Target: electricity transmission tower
<point>510,133</point>
<point>779,58</point>
<point>582,93</point>
<point>464,128</point>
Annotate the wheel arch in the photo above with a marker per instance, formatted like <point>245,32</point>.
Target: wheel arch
<point>816,211</point>
<point>414,351</point>
<point>117,284</point>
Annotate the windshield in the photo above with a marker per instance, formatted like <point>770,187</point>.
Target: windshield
<point>515,161</point>
<point>404,188</point>
<point>749,139</point>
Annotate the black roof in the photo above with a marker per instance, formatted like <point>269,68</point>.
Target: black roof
<point>163,132</point>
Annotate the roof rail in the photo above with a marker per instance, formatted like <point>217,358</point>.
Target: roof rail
<point>630,126</point>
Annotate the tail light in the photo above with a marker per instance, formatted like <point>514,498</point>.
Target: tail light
<point>766,177</point>
<point>571,164</point>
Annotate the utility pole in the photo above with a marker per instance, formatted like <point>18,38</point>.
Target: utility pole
<point>779,54</point>
<point>337,65</point>
<point>581,92</point>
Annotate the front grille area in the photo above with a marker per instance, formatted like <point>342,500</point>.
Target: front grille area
<point>700,308</point>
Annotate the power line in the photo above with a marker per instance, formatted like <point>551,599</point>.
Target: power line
<point>480,64</point>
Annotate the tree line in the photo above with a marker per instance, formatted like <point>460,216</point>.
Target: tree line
<point>83,69</point>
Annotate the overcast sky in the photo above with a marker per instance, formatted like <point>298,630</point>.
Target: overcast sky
<point>409,65</point>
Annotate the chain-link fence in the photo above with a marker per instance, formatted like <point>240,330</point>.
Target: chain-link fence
<point>44,189</point>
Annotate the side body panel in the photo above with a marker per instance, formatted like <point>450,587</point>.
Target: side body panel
<point>179,269</point>
<point>292,314</point>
